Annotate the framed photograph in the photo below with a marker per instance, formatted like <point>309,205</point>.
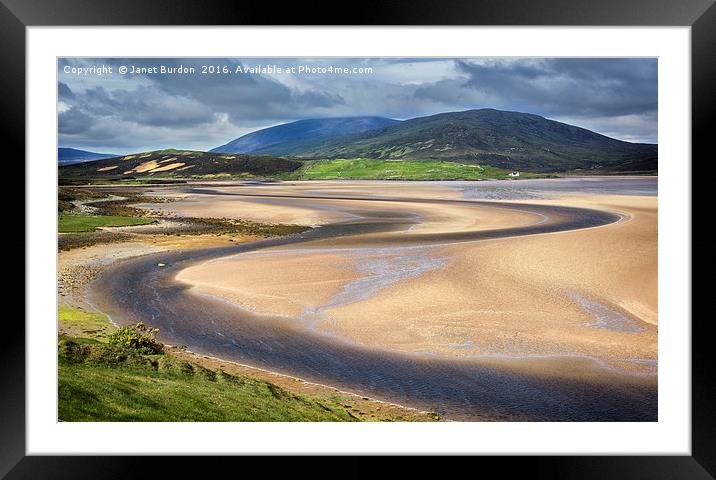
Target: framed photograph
<point>441,230</point>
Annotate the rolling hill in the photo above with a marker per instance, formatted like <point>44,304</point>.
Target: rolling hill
<point>180,163</point>
<point>510,140</point>
<point>302,135</point>
<point>65,156</point>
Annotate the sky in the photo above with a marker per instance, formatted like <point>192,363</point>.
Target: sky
<point>131,105</point>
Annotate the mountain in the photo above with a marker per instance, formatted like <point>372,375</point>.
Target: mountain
<point>302,135</point>
<point>511,140</point>
<point>72,155</point>
<point>177,163</point>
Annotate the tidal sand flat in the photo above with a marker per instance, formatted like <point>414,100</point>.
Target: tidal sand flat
<point>468,300</point>
<point>590,292</point>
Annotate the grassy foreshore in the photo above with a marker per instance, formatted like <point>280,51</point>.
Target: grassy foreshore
<point>85,213</point>
<point>103,382</point>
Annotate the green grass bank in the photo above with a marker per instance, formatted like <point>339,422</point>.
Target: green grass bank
<point>120,375</point>
<point>70,223</point>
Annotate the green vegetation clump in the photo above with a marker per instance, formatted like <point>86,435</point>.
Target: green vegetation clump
<point>138,337</point>
<point>91,352</point>
<point>72,223</point>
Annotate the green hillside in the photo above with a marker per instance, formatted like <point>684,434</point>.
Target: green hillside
<point>509,140</point>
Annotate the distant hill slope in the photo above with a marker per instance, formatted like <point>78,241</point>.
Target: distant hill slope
<point>73,155</point>
<point>293,137</point>
<point>180,163</point>
<point>510,140</point>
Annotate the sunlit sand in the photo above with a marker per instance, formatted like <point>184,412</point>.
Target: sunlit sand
<point>589,293</point>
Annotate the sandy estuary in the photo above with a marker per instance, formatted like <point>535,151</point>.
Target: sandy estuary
<point>501,300</point>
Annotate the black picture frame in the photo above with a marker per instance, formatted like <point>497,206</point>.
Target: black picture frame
<point>16,15</point>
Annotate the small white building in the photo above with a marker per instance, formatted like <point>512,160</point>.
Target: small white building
<point>514,173</point>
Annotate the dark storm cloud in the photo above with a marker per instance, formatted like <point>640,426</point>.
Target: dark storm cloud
<point>574,87</point>
<point>74,121</point>
<point>241,96</point>
<point>616,97</point>
<point>222,105</point>
<point>131,112</point>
